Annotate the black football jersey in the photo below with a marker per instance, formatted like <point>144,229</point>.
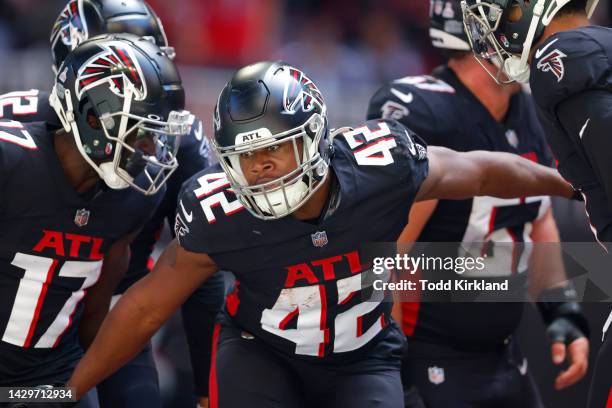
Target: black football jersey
<point>29,106</point>
<point>194,155</point>
<point>571,83</point>
<point>441,110</point>
<point>298,283</point>
<point>52,245</point>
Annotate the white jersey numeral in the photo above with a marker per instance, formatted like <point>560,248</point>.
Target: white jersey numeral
<point>209,184</point>
<point>375,148</point>
<point>309,305</point>
<point>31,293</point>
<point>23,103</point>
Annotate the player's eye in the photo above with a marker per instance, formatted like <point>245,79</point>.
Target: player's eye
<point>273,148</point>
<point>246,155</point>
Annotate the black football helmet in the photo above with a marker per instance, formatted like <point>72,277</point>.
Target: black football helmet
<point>83,19</point>
<point>503,31</point>
<point>263,105</point>
<point>446,25</point>
<point>122,99</point>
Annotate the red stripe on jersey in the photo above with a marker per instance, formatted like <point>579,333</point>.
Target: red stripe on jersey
<point>213,388</point>
<point>410,310</point>
<point>323,322</point>
<point>39,303</point>
<point>232,301</point>
<point>609,401</point>
<point>70,320</point>
<point>283,323</point>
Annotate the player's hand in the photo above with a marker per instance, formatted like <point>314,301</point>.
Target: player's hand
<point>569,344</point>
<point>203,402</point>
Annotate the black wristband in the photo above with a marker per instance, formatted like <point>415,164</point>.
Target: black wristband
<point>561,302</point>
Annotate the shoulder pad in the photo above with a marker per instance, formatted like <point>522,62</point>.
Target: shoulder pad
<point>417,102</point>
<point>17,142</point>
<point>205,200</point>
<point>570,62</point>
<point>28,106</point>
<point>378,157</point>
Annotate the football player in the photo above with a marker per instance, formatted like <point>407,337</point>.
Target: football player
<point>73,199</point>
<point>288,210</point>
<point>462,354</point>
<point>136,384</point>
<point>551,45</point>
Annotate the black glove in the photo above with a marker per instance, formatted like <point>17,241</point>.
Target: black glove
<point>563,315</point>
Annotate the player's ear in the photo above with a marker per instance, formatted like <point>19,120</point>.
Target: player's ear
<point>93,121</point>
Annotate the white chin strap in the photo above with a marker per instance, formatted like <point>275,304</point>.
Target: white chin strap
<point>516,69</point>
<point>274,202</point>
<point>111,178</point>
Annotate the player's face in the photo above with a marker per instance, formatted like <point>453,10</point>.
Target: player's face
<point>270,163</point>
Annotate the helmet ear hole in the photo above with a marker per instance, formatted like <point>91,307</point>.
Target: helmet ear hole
<point>93,121</point>
<point>515,12</point>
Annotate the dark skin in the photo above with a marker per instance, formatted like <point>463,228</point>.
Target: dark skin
<point>83,178</point>
<point>153,299</point>
<point>79,173</point>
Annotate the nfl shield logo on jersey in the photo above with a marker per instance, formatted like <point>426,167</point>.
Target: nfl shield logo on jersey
<point>436,375</point>
<point>82,217</point>
<point>319,238</point>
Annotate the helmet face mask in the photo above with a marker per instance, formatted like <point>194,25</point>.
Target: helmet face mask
<point>503,32</point>
<point>481,23</point>
<point>282,196</point>
<point>125,123</point>
<point>290,111</point>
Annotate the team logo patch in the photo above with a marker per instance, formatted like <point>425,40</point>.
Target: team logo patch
<point>319,239</point>
<point>436,375</point>
<point>553,62</point>
<point>300,93</point>
<point>70,26</point>
<point>180,227</point>
<point>394,110</point>
<point>115,65</point>
<point>81,217</point>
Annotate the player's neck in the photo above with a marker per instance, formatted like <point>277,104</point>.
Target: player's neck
<point>314,206</point>
<point>562,23</point>
<point>494,97</point>
<point>78,172</point>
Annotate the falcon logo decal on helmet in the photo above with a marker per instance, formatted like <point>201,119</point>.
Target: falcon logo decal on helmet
<point>304,97</point>
<point>115,65</point>
<point>70,26</point>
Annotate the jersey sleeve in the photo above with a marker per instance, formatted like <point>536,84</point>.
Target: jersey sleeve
<point>382,156</point>
<point>28,106</point>
<point>566,64</point>
<point>421,107</point>
<point>202,223</point>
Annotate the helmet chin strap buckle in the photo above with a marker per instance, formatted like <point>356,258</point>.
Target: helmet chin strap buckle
<point>111,178</point>
<point>516,70</point>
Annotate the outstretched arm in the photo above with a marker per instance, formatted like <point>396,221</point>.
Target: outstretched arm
<point>140,313</point>
<point>454,175</point>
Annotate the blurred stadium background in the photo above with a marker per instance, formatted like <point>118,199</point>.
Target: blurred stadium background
<point>348,47</point>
